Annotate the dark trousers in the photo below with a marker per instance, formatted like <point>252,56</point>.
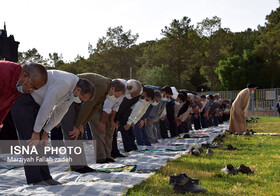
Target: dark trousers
<point>209,122</point>
<point>203,121</point>
<point>225,117</point>
<point>24,113</point>
<point>128,137</point>
<point>67,125</point>
<point>183,128</point>
<point>8,132</point>
<point>172,126</point>
<point>215,120</point>
<point>88,132</point>
<point>115,151</point>
<point>196,122</point>
<point>57,137</point>
<point>163,128</point>
<point>221,120</point>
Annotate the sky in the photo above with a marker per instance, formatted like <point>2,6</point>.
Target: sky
<point>68,26</point>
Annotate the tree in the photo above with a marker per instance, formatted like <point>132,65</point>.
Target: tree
<point>237,71</point>
<point>31,56</point>
<point>113,53</point>
<point>213,39</point>
<point>269,46</point>
<point>55,60</point>
<point>157,76</point>
<point>178,48</point>
<point>244,41</point>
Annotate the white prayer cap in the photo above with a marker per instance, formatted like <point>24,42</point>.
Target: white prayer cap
<point>191,96</point>
<point>175,92</point>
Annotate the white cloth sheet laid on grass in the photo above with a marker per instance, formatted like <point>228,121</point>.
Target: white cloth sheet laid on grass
<point>147,158</point>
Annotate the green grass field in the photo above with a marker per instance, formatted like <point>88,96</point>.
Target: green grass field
<point>259,152</point>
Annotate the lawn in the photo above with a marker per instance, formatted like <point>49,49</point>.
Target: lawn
<point>259,152</point>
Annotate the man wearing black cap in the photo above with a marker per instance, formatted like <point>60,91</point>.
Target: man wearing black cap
<point>237,122</point>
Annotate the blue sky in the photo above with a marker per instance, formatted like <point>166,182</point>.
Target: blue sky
<point>67,26</point>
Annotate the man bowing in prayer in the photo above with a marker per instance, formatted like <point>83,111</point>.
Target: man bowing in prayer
<point>237,122</point>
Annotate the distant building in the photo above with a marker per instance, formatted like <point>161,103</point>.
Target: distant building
<point>8,46</point>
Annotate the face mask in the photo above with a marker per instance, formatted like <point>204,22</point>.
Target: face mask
<point>143,100</point>
<point>252,92</point>
<point>128,96</point>
<point>111,97</point>
<point>177,103</point>
<point>164,99</point>
<point>154,103</point>
<point>19,88</point>
<point>75,99</point>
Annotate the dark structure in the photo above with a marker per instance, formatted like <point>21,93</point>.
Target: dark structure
<point>8,46</point>
<point>9,52</point>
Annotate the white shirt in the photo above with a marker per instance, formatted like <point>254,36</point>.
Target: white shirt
<point>185,115</point>
<point>138,111</point>
<point>177,108</point>
<point>114,105</point>
<point>175,92</point>
<point>54,99</point>
<point>110,105</point>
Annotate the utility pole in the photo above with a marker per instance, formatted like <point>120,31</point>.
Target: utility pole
<point>130,72</point>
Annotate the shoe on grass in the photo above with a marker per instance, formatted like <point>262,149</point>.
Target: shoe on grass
<point>180,178</point>
<point>229,169</point>
<point>209,152</point>
<point>230,147</point>
<point>187,186</point>
<point>244,170</point>
<point>195,151</point>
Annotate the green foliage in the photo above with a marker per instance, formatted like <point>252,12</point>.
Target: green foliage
<point>55,60</point>
<point>31,56</point>
<point>214,48</point>
<point>269,47</point>
<point>114,54</point>
<point>178,47</point>
<point>237,71</point>
<point>206,57</point>
<point>157,75</point>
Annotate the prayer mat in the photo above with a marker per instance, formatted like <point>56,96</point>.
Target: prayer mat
<point>9,167</point>
<point>126,168</point>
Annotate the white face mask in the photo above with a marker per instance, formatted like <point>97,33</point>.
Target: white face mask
<point>253,92</point>
<point>128,96</point>
<point>154,103</point>
<point>143,100</point>
<point>164,99</point>
<point>111,97</point>
<point>75,99</point>
<point>177,103</point>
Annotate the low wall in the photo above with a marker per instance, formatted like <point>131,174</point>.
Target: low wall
<point>262,113</point>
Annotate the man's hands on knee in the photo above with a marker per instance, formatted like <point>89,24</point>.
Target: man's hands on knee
<point>44,138</point>
<point>34,140</point>
<point>76,132</point>
<point>101,127</point>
